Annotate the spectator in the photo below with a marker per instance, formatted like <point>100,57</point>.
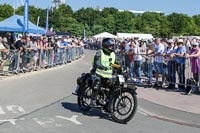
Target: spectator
<point>58,51</point>
<point>158,60</point>
<point>137,63</point>
<point>34,53</point>
<point>3,51</point>
<point>131,58</point>
<point>26,54</point>
<point>50,53</point>
<point>171,71</point>
<point>180,64</point>
<point>194,56</point>
<point>62,50</point>
<point>142,52</point>
<point>17,46</point>
<point>148,65</point>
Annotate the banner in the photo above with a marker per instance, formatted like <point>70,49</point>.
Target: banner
<point>26,17</point>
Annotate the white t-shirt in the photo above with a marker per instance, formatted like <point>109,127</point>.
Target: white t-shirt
<point>136,52</point>
<point>59,45</point>
<point>1,46</point>
<point>159,49</point>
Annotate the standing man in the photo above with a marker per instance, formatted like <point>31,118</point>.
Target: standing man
<point>170,64</point>
<point>158,60</point>
<point>18,46</point>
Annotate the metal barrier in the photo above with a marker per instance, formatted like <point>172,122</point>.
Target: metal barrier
<point>170,71</point>
<point>21,62</point>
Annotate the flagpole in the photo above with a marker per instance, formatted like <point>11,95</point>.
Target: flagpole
<point>38,19</point>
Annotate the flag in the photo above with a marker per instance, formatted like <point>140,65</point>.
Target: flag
<point>26,16</point>
<point>47,19</point>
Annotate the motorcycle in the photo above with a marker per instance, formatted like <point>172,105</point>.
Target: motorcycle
<point>117,97</point>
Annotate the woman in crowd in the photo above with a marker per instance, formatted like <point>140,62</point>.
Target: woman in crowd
<point>179,55</point>
<point>148,64</point>
<point>131,58</point>
<point>194,56</point>
<point>34,53</point>
<point>142,52</point>
<point>50,53</point>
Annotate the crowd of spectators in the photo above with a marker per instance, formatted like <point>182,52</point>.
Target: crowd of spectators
<point>28,53</point>
<point>166,58</point>
<point>169,58</point>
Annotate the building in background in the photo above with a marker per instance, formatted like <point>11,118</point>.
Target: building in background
<point>140,12</point>
<point>57,3</point>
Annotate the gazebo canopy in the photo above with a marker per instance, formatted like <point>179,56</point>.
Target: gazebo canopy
<point>104,35</point>
<point>15,24</point>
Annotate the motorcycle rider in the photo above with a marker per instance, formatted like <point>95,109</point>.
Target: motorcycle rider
<point>102,70</point>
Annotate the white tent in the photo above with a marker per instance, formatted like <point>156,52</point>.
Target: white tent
<point>104,35</point>
<point>132,35</point>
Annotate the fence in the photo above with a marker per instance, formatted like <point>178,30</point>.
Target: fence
<point>21,62</point>
<point>171,71</point>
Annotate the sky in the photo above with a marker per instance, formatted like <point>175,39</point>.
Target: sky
<point>189,7</point>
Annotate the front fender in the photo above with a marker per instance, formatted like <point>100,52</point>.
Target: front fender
<point>117,92</point>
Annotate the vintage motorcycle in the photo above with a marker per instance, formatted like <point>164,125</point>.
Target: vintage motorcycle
<point>117,96</point>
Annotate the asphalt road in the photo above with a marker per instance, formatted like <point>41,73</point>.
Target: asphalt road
<point>41,102</point>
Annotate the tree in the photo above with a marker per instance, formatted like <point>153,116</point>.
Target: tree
<point>181,24</point>
<point>109,19</point>
<point>123,21</point>
<point>5,11</point>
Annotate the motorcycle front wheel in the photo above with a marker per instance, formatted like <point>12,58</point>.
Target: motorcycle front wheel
<point>123,106</point>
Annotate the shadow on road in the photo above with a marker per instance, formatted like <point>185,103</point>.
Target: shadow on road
<point>73,107</point>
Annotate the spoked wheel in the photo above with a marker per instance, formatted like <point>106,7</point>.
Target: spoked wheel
<point>123,106</point>
<point>84,99</point>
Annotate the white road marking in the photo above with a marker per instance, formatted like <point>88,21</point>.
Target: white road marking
<point>72,119</point>
<point>12,121</point>
<point>44,122</point>
<point>1,111</point>
<point>16,109</point>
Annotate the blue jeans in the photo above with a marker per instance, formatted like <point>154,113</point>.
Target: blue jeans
<point>50,58</point>
<point>171,69</point>
<point>137,69</point>
<point>158,67</point>
<point>58,57</point>
<point>148,69</point>
<point>69,54</point>
<point>131,69</point>
<point>82,50</point>
<point>180,68</point>
<point>73,53</point>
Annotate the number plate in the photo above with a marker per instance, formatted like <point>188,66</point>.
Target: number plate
<point>121,78</point>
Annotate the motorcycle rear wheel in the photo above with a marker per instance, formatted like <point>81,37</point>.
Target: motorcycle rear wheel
<point>84,99</point>
<point>123,106</point>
